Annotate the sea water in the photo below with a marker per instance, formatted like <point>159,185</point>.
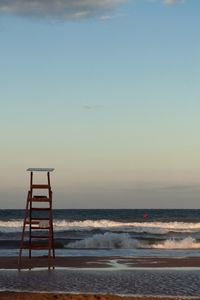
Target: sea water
<point>108,232</point>
<point>105,232</point>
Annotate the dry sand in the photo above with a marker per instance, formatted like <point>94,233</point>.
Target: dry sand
<point>45,296</point>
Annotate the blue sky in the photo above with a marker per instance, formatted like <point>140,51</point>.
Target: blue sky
<point>106,92</point>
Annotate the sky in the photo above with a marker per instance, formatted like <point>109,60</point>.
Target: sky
<point>107,93</point>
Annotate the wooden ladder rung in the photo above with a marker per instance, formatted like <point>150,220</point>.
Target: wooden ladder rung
<point>34,222</point>
<point>40,247</point>
<point>40,209</point>
<point>40,186</point>
<point>40,199</point>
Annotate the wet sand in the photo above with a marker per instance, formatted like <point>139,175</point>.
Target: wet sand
<point>101,262</point>
<point>92,263</point>
<point>46,296</point>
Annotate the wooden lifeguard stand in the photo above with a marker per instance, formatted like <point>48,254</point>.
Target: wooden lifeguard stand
<point>37,232</point>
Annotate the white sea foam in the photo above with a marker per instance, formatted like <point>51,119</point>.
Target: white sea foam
<point>107,240</point>
<point>187,243</point>
<point>114,240</point>
<point>139,227</point>
<point>120,240</point>
<point>10,226</point>
<point>149,227</point>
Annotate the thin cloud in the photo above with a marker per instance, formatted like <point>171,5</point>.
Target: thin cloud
<point>59,9</point>
<point>92,107</point>
<point>171,2</point>
<point>158,187</point>
<point>105,18</point>
<point>181,187</point>
<point>68,9</point>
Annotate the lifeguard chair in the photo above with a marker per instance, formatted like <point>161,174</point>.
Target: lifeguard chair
<point>37,232</point>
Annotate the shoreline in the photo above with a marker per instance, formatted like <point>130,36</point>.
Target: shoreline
<point>109,262</point>
<point>62,296</point>
<point>97,278</point>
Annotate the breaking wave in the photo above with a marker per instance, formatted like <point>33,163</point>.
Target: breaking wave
<point>138,227</point>
<point>124,241</point>
<point>187,243</point>
<point>107,240</point>
<point>10,226</point>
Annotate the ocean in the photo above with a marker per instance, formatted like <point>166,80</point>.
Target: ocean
<point>112,232</point>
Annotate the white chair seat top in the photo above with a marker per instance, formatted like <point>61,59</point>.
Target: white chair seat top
<point>40,169</point>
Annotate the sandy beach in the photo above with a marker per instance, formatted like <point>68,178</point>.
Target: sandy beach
<point>46,296</point>
<point>102,262</point>
<point>75,265</point>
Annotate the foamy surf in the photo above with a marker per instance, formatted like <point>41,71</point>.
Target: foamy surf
<point>113,232</point>
<point>187,243</point>
<point>149,227</point>
<point>137,227</point>
<point>107,240</point>
<point>11,226</point>
<point>113,240</point>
